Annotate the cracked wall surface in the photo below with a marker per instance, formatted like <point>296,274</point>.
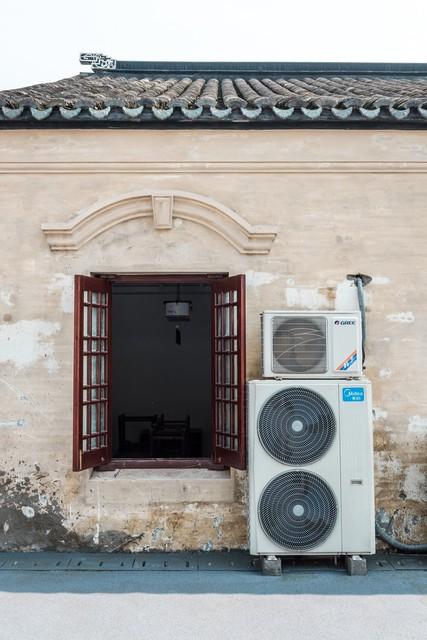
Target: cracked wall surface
<point>365,214</point>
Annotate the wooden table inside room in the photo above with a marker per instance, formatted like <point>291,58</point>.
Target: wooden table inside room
<point>165,438</point>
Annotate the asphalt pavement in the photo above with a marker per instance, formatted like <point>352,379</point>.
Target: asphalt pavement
<point>212,605</point>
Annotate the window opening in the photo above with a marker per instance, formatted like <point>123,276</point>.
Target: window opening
<point>161,363</point>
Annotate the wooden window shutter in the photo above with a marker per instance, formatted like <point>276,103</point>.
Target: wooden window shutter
<point>92,373</point>
<point>229,371</point>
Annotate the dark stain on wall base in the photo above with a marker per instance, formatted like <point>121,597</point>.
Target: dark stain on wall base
<point>29,518</point>
<point>31,521</point>
<point>34,517</point>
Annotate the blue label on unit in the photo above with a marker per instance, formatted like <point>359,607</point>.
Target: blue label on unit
<point>353,394</point>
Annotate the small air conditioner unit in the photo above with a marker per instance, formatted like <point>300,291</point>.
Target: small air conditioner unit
<point>311,344</point>
<point>310,466</point>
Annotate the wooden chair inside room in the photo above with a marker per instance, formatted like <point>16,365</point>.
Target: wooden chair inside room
<point>171,438</point>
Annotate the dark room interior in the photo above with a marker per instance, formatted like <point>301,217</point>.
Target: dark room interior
<point>161,371</point>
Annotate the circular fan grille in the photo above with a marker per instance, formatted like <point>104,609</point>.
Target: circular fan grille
<point>296,426</point>
<point>299,345</point>
<point>297,510</point>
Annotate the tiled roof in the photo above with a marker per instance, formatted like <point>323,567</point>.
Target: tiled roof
<point>236,93</point>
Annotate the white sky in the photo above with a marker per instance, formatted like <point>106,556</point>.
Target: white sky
<point>41,41</point>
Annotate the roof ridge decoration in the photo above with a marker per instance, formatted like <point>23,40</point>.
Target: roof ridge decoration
<point>162,206</point>
<point>98,61</point>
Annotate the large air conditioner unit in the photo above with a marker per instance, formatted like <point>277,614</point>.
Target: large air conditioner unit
<point>311,344</point>
<point>310,465</point>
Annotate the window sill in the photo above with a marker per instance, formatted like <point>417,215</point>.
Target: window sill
<point>141,487</point>
<point>160,463</point>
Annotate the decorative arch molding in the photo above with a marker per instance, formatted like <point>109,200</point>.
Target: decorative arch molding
<point>162,207</point>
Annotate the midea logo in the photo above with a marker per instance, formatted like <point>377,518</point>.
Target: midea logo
<point>341,322</point>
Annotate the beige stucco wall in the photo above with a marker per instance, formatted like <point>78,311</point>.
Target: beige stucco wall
<point>344,202</point>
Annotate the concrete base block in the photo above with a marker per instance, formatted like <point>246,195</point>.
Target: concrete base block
<point>356,566</point>
<point>271,566</point>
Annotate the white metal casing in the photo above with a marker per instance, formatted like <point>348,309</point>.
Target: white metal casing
<point>343,352</point>
<point>347,466</point>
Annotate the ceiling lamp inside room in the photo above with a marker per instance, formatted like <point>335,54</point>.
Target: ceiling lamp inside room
<point>177,311</point>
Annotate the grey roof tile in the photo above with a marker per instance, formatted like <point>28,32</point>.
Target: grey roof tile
<point>208,97</point>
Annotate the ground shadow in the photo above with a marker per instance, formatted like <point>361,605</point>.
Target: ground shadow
<point>319,581</point>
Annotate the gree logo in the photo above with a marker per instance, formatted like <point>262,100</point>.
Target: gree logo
<point>345,322</point>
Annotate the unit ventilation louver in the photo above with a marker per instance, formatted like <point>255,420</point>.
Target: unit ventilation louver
<point>299,344</point>
<point>297,510</point>
<point>296,426</point>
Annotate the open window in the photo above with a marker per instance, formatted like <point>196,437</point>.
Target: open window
<point>228,371</point>
<point>159,371</point>
<point>92,372</point>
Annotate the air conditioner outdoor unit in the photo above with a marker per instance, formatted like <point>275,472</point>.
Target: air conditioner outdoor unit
<point>311,344</point>
<point>310,465</point>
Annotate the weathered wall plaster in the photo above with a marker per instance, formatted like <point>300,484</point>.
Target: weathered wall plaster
<point>24,342</point>
<point>403,316</point>
<point>62,285</point>
<point>418,424</point>
<point>331,195</point>
<point>305,298</point>
<point>260,278</point>
<point>7,298</point>
<point>380,414</point>
<point>415,484</point>
<point>380,280</point>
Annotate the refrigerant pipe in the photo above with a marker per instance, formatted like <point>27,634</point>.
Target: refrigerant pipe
<point>361,280</point>
<point>400,546</point>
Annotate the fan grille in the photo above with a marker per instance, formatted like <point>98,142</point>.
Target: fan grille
<point>296,426</point>
<point>299,344</point>
<point>297,510</point>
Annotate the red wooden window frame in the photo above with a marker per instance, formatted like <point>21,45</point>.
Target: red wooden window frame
<point>229,371</point>
<point>92,372</point>
<point>228,340</point>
